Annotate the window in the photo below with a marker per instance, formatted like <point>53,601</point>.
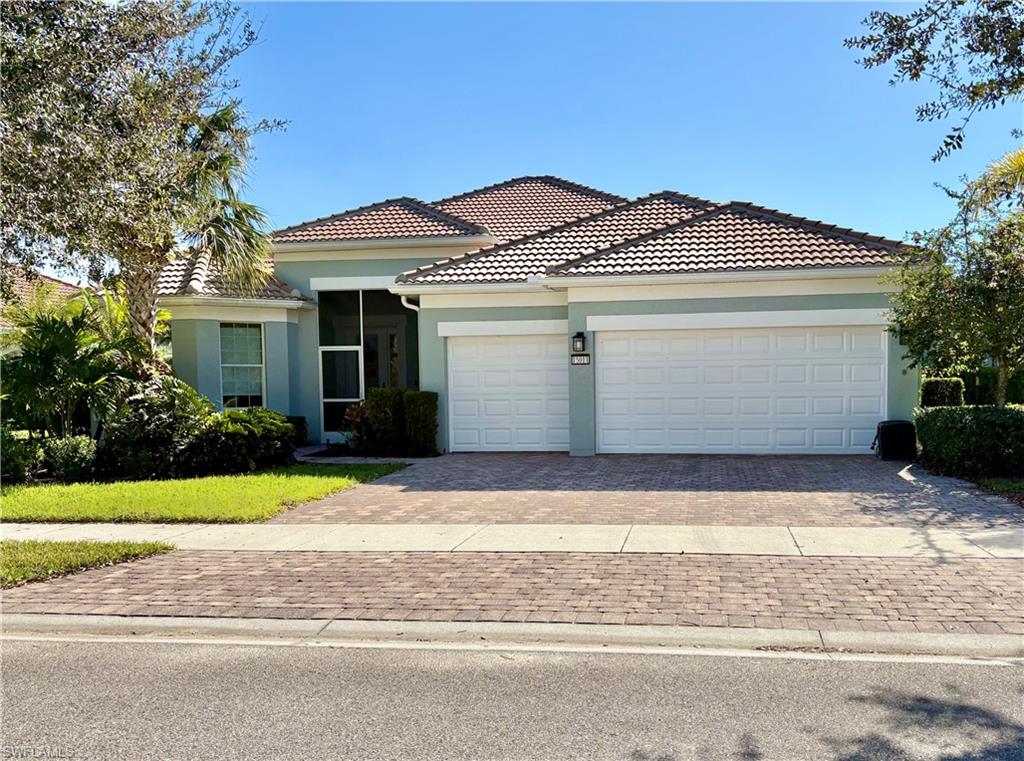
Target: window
<point>241,364</point>
<point>364,337</point>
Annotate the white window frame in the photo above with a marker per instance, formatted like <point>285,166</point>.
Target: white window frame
<point>262,365</point>
<point>358,349</point>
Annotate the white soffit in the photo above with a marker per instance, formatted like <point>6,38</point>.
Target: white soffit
<point>503,328</point>
<point>709,320</point>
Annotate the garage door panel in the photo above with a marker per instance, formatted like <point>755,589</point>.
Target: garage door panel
<point>508,393</point>
<point>754,390</point>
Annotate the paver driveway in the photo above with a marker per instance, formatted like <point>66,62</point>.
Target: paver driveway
<point>663,489</point>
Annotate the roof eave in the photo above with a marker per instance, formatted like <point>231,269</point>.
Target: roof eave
<point>416,289</point>
<point>192,300</point>
<point>725,276</point>
<point>376,243</point>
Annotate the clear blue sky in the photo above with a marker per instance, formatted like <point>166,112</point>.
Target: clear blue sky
<point>753,102</point>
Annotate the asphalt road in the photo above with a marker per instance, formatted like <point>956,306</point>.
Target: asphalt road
<point>196,701</point>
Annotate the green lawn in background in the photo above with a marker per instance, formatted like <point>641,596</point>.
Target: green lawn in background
<point>22,561</point>
<point>213,499</point>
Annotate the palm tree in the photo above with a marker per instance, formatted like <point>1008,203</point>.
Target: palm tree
<point>66,355</point>
<point>1002,180</point>
<point>210,219</point>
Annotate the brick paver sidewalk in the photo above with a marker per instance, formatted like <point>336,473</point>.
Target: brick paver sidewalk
<point>662,489</point>
<point>873,594</point>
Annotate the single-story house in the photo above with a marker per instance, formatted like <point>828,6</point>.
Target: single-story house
<point>552,316</point>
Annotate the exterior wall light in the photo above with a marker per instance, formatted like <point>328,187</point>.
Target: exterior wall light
<point>579,342</point>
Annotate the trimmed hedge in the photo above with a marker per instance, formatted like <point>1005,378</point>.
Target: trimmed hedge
<point>421,422</point>
<point>394,422</point>
<point>980,387</point>
<point>385,418</point>
<point>301,429</point>
<point>241,441</point>
<point>70,459</point>
<point>972,442</point>
<point>942,392</point>
<point>170,430</point>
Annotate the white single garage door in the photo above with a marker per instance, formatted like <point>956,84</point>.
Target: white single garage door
<point>815,390</point>
<point>508,393</point>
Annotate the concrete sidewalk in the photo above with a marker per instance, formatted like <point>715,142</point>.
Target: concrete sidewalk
<point>808,541</point>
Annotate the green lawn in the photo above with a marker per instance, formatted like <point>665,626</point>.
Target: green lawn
<point>1012,488</point>
<point>22,561</point>
<point>215,499</point>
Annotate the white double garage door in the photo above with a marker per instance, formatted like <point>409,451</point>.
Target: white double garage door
<point>807,389</point>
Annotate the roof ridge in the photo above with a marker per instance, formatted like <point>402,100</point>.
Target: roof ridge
<point>625,204</point>
<point>56,280</point>
<point>407,200</point>
<point>825,227</point>
<point>709,213</point>
<point>550,178</point>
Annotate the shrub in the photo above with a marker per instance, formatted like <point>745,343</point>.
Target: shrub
<point>152,434</point>
<point>972,442</point>
<point>421,422</point>
<point>942,392</point>
<point>241,441</point>
<point>385,415</point>
<point>19,458</point>
<point>71,458</point>
<point>980,387</point>
<point>301,429</point>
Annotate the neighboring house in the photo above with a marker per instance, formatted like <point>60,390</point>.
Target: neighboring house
<point>23,287</point>
<point>552,316</point>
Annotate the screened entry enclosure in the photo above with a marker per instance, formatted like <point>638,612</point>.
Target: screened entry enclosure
<point>367,340</point>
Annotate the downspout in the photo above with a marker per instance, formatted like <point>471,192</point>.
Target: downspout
<point>408,304</point>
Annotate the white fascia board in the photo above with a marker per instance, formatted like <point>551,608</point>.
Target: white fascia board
<point>233,313</point>
<point>416,289</point>
<point>793,318</point>
<point>350,245</point>
<point>542,298</point>
<point>227,301</point>
<point>503,328</point>
<point>733,289</point>
<point>355,283</point>
<point>713,277</point>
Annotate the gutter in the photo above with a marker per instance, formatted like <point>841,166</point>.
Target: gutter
<point>541,283</point>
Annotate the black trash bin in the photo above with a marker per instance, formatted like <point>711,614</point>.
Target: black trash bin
<point>895,440</point>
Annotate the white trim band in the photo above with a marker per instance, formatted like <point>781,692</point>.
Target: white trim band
<point>362,283</point>
<point>709,320</point>
<point>504,328</point>
<point>231,313</point>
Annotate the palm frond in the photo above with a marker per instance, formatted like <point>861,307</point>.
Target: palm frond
<point>1003,179</point>
<point>235,237</point>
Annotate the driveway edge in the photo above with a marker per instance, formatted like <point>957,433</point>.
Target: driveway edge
<point>498,635</point>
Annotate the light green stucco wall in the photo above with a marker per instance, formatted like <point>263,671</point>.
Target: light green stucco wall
<point>298,274</point>
<point>434,350</point>
<point>277,366</point>
<point>196,355</point>
<point>196,352</point>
